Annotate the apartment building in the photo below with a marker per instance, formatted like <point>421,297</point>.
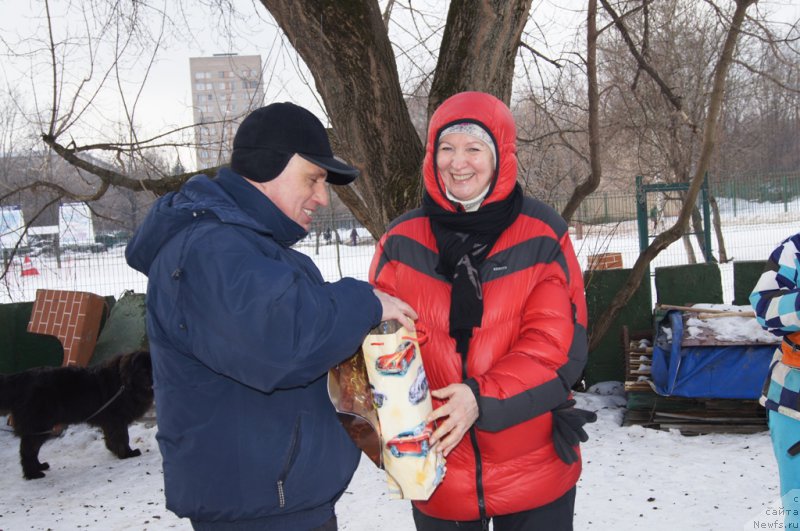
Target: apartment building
<point>225,88</point>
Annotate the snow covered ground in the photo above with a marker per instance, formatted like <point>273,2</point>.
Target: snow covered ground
<point>634,478</point>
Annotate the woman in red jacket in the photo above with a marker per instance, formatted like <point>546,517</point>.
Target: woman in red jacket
<point>494,279</point>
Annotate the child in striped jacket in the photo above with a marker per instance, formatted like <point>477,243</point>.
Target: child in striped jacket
<point>777,307</point>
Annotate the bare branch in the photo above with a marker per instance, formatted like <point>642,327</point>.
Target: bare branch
<point>113,178</point>
<point>768,76</point>
<point>538,54</point>
<point>663,240</point>
<point>51,129</point>
<point>674,99</point>
<point>537,139</point>
<point>623,16</point>
<point>387,13</point>
<point>61,191</point>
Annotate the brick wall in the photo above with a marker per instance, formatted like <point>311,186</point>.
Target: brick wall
<point>605,261</point>
<point>71,316</point>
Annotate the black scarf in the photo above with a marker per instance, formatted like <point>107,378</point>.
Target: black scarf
<point>464,240</point>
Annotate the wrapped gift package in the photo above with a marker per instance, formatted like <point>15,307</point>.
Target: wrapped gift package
<point>397,395</point>
<point>349,391</point>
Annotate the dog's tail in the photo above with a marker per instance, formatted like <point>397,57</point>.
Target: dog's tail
<point>11,389</point>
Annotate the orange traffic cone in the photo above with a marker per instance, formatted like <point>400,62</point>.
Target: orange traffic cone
<point>27,268</point>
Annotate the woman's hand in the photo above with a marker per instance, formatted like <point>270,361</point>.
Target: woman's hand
<point>460,412</point>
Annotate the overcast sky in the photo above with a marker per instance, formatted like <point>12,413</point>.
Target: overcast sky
<point>165,100</point>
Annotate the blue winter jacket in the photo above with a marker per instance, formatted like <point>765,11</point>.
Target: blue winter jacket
<point>242,331</point>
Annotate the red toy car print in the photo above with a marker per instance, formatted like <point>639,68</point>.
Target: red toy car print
<point>398,362</point>
<point>414,442</point>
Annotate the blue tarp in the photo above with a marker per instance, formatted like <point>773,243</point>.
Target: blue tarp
<point>736,371</point>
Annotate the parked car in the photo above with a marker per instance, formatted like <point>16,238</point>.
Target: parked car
<point>415,442</point>
<point>397,362</point>
<point>113,238</point>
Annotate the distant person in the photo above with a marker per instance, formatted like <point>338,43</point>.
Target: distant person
<point>327,235</point>
<point>501,306</point>
<point>777,307</point>
<point>354,237</point>
<point>654,217</point>
<point>243,330</point>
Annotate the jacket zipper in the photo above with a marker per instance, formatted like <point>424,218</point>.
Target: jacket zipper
<point>473,435</point>
<point>289,462</point>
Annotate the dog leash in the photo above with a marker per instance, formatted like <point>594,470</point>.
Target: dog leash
<point>108,403</point>
<point>87,419</point>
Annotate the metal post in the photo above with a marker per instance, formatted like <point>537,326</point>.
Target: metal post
<point>706,220</point>
<point>641,213</point>
<point>785,191</point>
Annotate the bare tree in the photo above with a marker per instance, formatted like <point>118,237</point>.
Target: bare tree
<point>709,128</point>
<point>348,52</point>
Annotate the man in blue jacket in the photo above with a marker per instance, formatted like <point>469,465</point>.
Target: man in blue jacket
<point>243,329</point>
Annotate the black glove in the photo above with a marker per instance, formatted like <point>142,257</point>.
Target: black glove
<point>568,429</point>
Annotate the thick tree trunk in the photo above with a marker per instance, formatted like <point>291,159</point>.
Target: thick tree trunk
<point>347,50</point>
<point>691,258</point>
<point>723,253</point>
<point>478,48</point>
<point>697,229</point>
<point>590,184</point>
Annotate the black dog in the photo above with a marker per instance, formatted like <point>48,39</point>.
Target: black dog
<point>110,396</point>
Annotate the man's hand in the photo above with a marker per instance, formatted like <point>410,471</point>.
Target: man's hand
<point>394,308</point>
<point>461,412</point>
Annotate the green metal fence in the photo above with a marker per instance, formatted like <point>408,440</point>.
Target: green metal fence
<point>751,193</point>
<point>742,196</point>
<point>755,214</point>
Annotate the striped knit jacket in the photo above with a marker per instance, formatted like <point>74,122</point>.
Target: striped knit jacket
<point>777,307</point>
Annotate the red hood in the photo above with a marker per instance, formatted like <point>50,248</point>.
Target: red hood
<point>495,117</point>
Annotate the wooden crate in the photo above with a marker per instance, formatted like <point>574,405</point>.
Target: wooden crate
<point>691,416</point>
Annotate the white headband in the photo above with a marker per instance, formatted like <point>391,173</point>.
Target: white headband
<point>473,130</point>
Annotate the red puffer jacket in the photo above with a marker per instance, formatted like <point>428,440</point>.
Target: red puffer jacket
<point>529,350</point>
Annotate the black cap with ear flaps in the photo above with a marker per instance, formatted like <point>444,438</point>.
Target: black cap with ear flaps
<point>269,136</point>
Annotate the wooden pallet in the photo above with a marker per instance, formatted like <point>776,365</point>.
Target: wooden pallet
<point>694,416</point>
<point>638,360</point>
<point>691,416</point>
